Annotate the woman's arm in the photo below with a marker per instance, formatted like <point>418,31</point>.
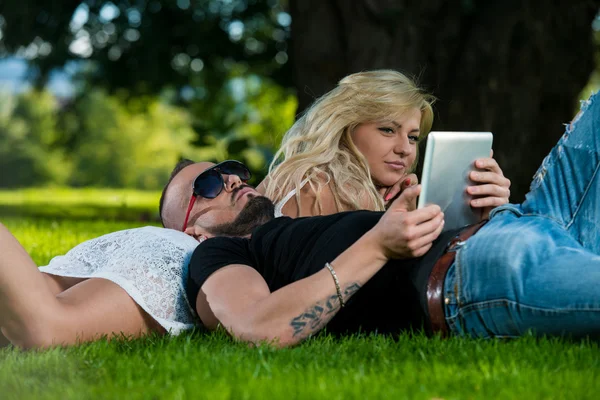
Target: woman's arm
<point>238,298</point>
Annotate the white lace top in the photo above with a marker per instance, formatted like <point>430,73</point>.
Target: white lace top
<point>150,263</point>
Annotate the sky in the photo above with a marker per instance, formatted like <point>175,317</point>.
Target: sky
<point>13,78</point>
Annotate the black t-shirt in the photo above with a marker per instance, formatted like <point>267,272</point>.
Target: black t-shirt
<point>286,250</point>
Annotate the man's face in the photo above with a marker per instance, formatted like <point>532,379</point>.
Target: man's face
<point>257,211</point>
<point>237,210</point>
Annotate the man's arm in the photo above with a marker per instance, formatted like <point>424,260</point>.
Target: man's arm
<point>238,298</point>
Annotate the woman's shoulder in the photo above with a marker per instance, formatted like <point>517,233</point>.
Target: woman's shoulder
<point>317,197</point>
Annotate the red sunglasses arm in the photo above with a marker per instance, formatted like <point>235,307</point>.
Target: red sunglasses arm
<point>189,210</point>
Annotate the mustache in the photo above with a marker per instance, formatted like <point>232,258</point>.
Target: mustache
<point>235,191</point>
<point>258,211</point>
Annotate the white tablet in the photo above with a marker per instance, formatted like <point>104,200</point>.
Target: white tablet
<point>449,157</point>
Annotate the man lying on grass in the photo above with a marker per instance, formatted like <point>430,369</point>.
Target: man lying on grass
<point>534,266</point>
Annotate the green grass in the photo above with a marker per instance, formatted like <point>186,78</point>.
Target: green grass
<point>212,366</point>
<point>88,203</point>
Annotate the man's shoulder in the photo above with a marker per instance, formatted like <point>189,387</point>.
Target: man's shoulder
<point>299,228</point>
<point>220,242</point>
<point>220,248</point>
<point>356,215</point>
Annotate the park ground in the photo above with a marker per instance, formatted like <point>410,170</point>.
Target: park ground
<point>202,365</point>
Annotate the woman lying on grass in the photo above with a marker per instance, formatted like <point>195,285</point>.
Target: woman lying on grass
<point>356,146</point>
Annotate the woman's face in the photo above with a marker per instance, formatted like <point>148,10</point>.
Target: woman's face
<point>390,146</point>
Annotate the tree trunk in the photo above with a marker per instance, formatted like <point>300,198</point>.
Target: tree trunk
<point>515,68</point>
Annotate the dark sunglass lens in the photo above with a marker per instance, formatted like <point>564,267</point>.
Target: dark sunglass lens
<point>235,168</point>
<point>208,184</point>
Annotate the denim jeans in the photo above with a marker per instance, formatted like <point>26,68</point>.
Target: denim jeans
<point>536,266</point>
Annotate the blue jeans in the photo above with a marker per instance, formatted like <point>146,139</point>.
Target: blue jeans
<point>536,266</point>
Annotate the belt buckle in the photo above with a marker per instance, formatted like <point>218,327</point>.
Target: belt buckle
<point>455,245</point>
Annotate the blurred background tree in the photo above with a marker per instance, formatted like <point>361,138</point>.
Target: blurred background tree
<point>29,155</point>
<point>215,79</point>
<point>157,135</point>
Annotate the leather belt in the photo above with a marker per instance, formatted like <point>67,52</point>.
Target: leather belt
<point>435,284</point>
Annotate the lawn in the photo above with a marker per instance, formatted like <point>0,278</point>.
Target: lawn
<point>212,366</point>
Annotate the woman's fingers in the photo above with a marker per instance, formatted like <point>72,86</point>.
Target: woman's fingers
<point>489,177</point>
<point>489,190</point>
<point>492,187</point>
<point>488,164</point>
<point>393,191</point>
<point>489,202</point>
<point>489,195</point>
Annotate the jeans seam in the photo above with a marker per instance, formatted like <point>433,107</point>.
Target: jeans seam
<point>548,217</point>
<point>585,105</point>
<point>585,193</point>
<point>520,214</point>
<point>487,304</point>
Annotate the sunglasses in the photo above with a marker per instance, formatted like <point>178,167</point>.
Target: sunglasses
<point>209,184</point>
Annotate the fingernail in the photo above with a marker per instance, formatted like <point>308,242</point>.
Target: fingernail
<point>407,181</point>
<point>387,197</point>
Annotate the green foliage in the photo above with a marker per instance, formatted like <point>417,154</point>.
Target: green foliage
<point>146,46</point>
<point>594,82</point>
<point>118,140</point>
<point>127,143</point>
<point>187,54</point>
<point>98,140</point>
<point>28,138</point>
<point>246,123</point>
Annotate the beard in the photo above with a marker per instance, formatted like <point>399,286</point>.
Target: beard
<point>258,211</point>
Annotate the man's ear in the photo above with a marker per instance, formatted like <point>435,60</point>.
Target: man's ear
<point>197,233</point>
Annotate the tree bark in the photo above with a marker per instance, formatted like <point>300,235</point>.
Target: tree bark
<point>515,68</point>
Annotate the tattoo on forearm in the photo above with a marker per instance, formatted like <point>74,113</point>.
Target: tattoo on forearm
<point>316,317</point>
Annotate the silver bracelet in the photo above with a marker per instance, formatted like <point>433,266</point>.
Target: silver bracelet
<point>337,284</point>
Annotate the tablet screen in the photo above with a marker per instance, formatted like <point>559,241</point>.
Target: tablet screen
<point>449,157</point>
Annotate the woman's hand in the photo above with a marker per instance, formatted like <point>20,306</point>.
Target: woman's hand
<point>390,193</point>
<point>492,189</point>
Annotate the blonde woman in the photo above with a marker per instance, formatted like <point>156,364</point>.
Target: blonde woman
<point>357,146</point>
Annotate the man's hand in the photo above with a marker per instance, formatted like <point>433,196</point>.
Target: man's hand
<point>406,234</point>
<point>492,189</point>
<point>391,193</point>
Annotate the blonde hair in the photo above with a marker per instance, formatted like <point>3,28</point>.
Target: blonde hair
<point>318,147</point>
